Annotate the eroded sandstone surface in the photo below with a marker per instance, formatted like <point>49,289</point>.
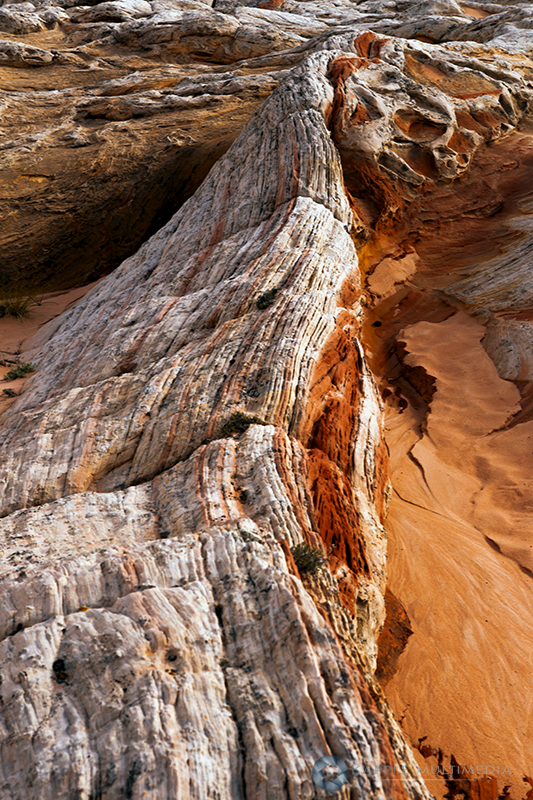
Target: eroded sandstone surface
<point>307,227</point>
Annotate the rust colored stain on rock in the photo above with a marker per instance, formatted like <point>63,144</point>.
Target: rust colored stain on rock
<point>329,432</point>
<point>465,87</point>
<point>368,45</point>
<point>335,515</point>
<point>333,401</point>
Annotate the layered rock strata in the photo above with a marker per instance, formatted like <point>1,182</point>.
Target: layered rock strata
<point>132,102</point>
<point>158,637</point>
<point>168,347</point>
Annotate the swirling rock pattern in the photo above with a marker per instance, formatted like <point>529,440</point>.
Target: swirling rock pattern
<point>157,636</point>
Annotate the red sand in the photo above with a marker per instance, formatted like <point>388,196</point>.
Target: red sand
<point>15,334</point>
<point>459,539</point>
<point>478,13</point>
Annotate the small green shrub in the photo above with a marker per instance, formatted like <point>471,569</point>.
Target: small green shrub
<point>265,300</point>
<point>9,392</point>
<point>238,423</point>
<point>308,559</point>
<point>18,307</point>
<point>19,371</point>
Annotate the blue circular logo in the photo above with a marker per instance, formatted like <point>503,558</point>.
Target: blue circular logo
<point>328,782</point>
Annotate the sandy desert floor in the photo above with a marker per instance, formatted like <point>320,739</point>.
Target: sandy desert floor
<point>18,336</point>
<point>460,558</point>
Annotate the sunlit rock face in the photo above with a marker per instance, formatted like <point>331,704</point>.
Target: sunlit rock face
<point>324,211</point>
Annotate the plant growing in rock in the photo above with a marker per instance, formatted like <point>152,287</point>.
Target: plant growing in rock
<point>238,423</point>
<point>265,300</point>
<point>308,559</point>
<point>19,371</point>
<point>10,392</point>
<point>18,307</point>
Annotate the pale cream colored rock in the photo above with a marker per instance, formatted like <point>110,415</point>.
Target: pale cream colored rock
<point>155,325</point>
<point>158,638</point>
<point>291,23</point>
<point>181,647</point>
<point>20,18</point>
<point>114,11</point>
<point>18,54</point>
<point>207,33</point>
<point>130,384</point>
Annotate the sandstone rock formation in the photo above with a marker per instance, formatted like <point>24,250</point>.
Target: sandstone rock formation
<point>319,205</point>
